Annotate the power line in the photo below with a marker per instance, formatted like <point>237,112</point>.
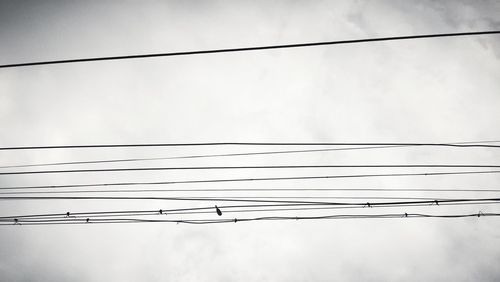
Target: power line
<point>200,156</point>
<point>224,199</point>
<point>255,48</point>
<point>246,144</point>
<point>242,199</point>
<point>248,179</point>
<point>439,190</point>
<point>223,155</point>
<point>250,167</point>
<point>268,218</point>
<point>229,209</point>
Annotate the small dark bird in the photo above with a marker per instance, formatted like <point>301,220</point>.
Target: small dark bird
<point>67,214</point>
<point>16,221</point>
<point>218,211</point>
<point>88,219</point>
<point>406,214</point>
<point>161,211</point>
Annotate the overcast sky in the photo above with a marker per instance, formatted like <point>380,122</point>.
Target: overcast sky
<point>427,90</point>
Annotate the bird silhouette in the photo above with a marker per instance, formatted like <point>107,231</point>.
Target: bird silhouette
<point>218,211</point>
<point>88,219</point>
<point>67,214</point>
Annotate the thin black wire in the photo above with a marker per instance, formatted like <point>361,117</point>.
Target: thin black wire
<point>256,189</point>
<point>205,156</point>
<point>256,48</point>
<point>227,209</point>
<point>248,179</point>
<point>304,197</point>
<point>268,218</point>
<point>221,155</point>
<point>468,201</point>
<point>253,210</point>
<point>439,190</point>
<point>247,144</point>
<point>226,199</point>
<point>249,167</point>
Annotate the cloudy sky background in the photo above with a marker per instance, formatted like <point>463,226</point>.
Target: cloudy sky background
<point>430,90</point>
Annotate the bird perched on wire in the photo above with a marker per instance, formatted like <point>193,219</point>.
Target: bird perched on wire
<point>219,212</point>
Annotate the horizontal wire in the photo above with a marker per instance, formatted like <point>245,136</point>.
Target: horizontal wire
<point>256,190</point>
<point>206,156</point>
<point>222,199</point>
<point>227,209</point>
<point>248,144</point>
<point>250,167</point>
<point>255,48</point>
<point>282,204</point>
<point>224,155</point>
<point>268,218</point>
<point>249,179</point>
<point>308,197</point>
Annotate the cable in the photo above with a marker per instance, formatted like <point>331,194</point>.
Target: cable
<point>233,199</point>
<point>301,197</point>
<point>201,156</point>
<point>245,144</point>
<point>229,209</point>
<point>250,167</point>
<point>253,210</point>
<point>269,218</point>
<point>440,190</point>
<point>248,179</point>
<point>256,48</point>
<point>222,155</point>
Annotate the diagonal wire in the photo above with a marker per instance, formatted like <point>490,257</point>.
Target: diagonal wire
<point>255,48</point>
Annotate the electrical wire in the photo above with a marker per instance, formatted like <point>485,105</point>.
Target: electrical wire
<point>249,179</point>
<point>247,144</point>
<point>221,155</point>
<point>250,167</point>
<point>201,156</point>
<point>439,190</point>
<point>268,218</point>
<point>340,205</point>
<point>229,199</point>
<point>255,48</point>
